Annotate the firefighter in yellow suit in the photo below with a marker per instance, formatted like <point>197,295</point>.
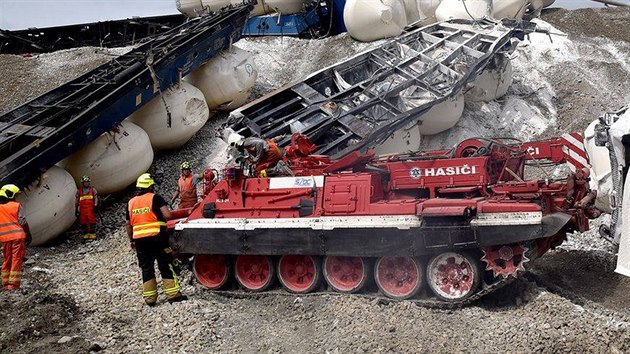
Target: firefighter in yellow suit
<point>147,213</point>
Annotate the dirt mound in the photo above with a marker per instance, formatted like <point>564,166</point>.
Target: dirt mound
<point>586,275</point>
<point>39,320</point>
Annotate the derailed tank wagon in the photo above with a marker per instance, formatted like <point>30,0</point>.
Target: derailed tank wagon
<point>457,223</point>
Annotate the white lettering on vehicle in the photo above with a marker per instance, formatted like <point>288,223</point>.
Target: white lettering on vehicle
<point>534,151</point>
<point>417,172</point>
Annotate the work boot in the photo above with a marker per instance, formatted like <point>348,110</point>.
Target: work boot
<point>179,298</point>
<point>149,292</point>
<point>171,289</point>
<point>89,237</point>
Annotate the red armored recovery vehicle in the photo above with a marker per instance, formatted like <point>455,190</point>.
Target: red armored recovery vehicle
<point>449,225</point>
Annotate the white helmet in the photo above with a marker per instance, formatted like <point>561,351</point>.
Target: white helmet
<point>234,140</point>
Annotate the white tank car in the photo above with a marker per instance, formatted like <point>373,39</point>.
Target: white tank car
<point>287,7</point>
<point>442,116</point>
<point>509,8</point>
<point>261,7</point>
<point>463,9</point>
<point>547,3</point>
<point>439,118</point>
<point>421,10</point>
<point>402,140</point>
<point>114,160</point>
<point>535,6</point>
<point>370,20</point>
<point>189,112</point>
<point>190,8</point>
<point>412,11</point>
<point>493,82</point>
<point>427,8</point>
<point>227,79</point>
<point>48,205</point>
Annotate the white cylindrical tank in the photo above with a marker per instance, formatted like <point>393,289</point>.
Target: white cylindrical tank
<point>428,7</point>
<point>463,9</point>
<point>260,8</point>
<point>509,8</point>
<point>369,20</point>
<point>48,205</point>
<point>442,116</point>
<point>190,8</point>
<point>402,140</point>
<point>493,82</point>
<point>227,79</point>
<point>412,10</point>
<point>601,179</point>
<point>420,10</point>
<point>535,6</point>
<point>287,7</point>
<point>114,160</point>
<point>215,5</point>
<point>547,3</point>
<point>189,112</point>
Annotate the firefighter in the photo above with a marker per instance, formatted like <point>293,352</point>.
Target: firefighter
<point>86,202</point>
<point>186,187</point>
<point>15,235</point>
<point>265,154</point>
<point>146,227</point>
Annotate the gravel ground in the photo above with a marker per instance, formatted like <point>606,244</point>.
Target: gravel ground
<point>80,297</point>
<point>28,78</point>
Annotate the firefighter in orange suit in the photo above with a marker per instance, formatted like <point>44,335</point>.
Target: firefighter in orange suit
<point>146,227</point>
<point>14,236</point>
<point>85,204</point>
<point>265,154</point>
<point>186,187</point>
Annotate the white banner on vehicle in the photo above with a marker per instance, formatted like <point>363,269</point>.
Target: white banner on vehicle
<point>296,182</point>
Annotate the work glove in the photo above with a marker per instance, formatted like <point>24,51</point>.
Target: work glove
<point>262,174</point>
<point>177,267</point>
<point>29,239</point>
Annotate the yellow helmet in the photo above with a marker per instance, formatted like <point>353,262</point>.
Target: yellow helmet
<point>9,191</point>
<point>145,181</point>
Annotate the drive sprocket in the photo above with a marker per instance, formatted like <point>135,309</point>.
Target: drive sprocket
<point>505,260</point>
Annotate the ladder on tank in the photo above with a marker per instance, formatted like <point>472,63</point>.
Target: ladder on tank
<point>358,103</point>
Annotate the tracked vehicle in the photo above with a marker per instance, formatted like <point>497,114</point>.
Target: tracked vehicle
<point>443,227</point>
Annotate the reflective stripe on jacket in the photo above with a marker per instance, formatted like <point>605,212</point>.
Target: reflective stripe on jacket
<point>141,216</point>
<point>86,207</point>
<point>187,192</point>
<point>10,229</point>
